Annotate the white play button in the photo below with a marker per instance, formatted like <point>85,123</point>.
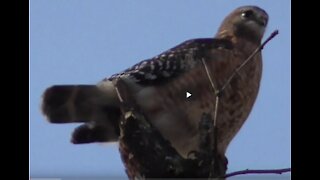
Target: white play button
<point>188,94</point>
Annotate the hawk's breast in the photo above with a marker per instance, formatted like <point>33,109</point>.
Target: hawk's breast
<point>177,117</point>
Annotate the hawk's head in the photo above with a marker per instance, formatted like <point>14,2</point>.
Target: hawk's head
<point>247,22</point>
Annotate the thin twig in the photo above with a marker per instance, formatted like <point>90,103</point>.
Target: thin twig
<point>117,90</point>
<point>273,34</point>
<point>216,105</point>
<point>268,171</point>
<point>216,111</point>
<point>215,92</point>
<point>209,75</point>
<point>119,95</point>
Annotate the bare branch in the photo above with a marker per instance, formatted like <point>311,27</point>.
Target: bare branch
<point>217,92</point>
<point>209,76</point>
<point>273,34</point>
<point>268,171</point>
<point>215,128</point>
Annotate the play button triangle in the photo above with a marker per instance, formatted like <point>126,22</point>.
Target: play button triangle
<point>188,94</point>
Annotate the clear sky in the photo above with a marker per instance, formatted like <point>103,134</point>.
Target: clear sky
<point>81,42</point>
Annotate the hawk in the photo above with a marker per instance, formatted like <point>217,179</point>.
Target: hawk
<point>159,86</point>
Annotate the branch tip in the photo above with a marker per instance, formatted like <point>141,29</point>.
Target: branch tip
<point>264,171</point>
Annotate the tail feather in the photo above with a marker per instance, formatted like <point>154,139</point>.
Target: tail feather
<point>90,133</point>
<point>83,103</point>
<point>71,103</point>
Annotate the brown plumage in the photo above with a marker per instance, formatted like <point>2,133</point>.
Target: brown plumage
<point>159,86</point>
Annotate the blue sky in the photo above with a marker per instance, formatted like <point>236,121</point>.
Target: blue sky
<point>81,42</point>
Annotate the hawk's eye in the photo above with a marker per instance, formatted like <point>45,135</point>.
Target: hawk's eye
<point>247,14</point>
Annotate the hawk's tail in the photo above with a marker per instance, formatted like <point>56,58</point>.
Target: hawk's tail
<point>83,103</point>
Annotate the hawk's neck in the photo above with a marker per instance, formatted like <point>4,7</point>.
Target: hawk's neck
<point>239,40</point>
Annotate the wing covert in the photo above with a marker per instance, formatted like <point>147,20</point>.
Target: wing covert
<point>172,62</point>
